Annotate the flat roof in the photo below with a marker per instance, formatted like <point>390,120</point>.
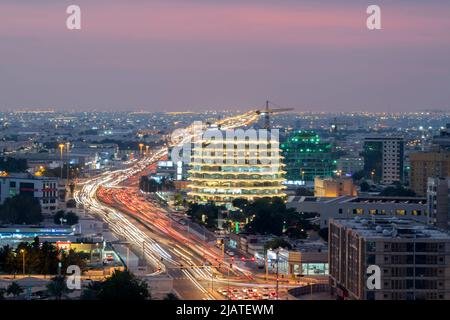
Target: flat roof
<point>392,228</point>
<point>360,199</point>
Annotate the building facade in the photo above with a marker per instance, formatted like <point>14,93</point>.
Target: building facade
<point>383,159</point>
<point>438,202</point>
<point>307,157</point>
<point>337,187</point>
<point>361,206</point>
<point>424,165</point>
<point>42,188</point>
<point>413,259</point>
<point>347,166</point>
<point>224,170</point>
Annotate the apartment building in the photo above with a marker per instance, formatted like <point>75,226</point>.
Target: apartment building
<point>414,259</point>
<point>438,201</point>
<point>383,158</point>
<point>424,165</point>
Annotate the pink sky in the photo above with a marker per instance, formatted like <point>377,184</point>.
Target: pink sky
<point>169,39</point>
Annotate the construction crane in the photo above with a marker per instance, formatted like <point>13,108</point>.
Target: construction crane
<point>335,125</point>
<point>267,112</point>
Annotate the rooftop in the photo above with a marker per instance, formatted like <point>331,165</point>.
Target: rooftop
<point>392,228</point>
<point>360,199</point>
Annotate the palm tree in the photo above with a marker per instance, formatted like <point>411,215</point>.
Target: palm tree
<point>57,287</point>
<point>14,289</point>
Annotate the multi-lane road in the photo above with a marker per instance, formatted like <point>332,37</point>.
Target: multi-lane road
<point>164,244</point>
<point>196,265</point>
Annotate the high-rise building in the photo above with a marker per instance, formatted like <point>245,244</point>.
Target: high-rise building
<point>383,159</point>
<point>438,201</point>
<point>429,164</point>
<point>307,157</point>
<point>443,139</point>
<point>347,166</point>
<point>223,170</point>
<point>413,259</point>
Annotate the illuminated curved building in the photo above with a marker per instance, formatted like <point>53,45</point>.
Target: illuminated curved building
<point>224,170</point>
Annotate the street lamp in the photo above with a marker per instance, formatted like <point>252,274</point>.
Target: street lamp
<point>61,148</point>
<point>67,153</point>
<point>62,220</point>
<point>22,251</point>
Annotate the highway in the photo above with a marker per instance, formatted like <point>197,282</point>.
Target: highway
<point>186,260</point>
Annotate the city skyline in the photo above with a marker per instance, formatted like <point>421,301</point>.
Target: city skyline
<point>202,55</point>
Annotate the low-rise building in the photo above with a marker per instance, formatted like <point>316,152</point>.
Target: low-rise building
<point>334,187</point>
<point>44,189</point>
<point>362,206</point>
<point>305,260</point>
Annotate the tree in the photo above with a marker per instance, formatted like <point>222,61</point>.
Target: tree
<point>364,186</point>
<point>171,296</point>
<point>57,287</point>
<point>69,218</point>
<point>40,258</point>
<point>58,217</point>
<point>178,199</point>
<point>240,203</point>
<point>123,285</point>
<point>271,216</point>
<point>21,209</point>
<point>303,192</point>
<point>205,214</point>
<point>92,290</point>
<point>2,294</point>
<point>277,243</point>
<point>74,258</point>
<point>14,289</point>
<point>397,191</point>
<point>357,176</point>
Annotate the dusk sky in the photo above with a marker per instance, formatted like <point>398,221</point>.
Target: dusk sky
<point>167,55</point>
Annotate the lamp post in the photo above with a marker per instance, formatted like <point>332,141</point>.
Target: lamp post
<point>67,162</point>
<point>62,220</point>
<point>278,274</point>
<point>22,251</point>
<point>61,149</point>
